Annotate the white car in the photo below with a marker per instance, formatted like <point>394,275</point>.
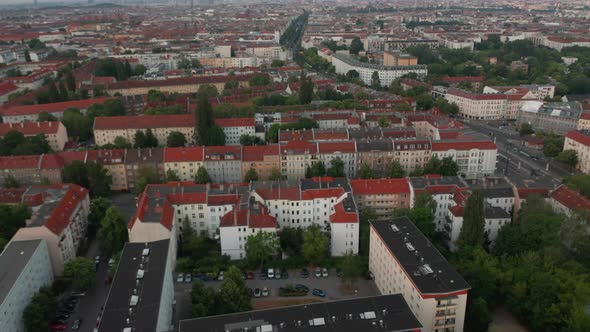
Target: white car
<point>111,262</point>
<point>265,292</point>
<point>270,273</point>
<point>318,272</point>
<point>324,272</point>
<point>180,277</point>
<point>221,276</point>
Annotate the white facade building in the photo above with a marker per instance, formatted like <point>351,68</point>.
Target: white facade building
<point>26,268</point>
<point>474,158</point>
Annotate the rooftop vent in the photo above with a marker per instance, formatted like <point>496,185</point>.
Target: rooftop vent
<point>145,252</point>
<point>426,269</point>
<point>317,322</point>
<point>394,228</point>
<point>368,315</point>
<point>140,274</point>
<point>410,246</point>
<point>133,301</point>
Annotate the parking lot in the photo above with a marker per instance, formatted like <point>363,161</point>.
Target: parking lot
<point>331,286</point>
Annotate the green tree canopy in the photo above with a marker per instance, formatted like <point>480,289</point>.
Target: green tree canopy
<point>171,175</point>
<point>251,175</point>
<point>472,232</point>
<point>112,233</point>
<point>395,170</point>
<point>202,176</point>
<point>261,247</point>
<point>366,172</point>
<point>315,245</point>
<point>175,139</point>
<point>336,168</point>
<point>98,209</point>
<point>80,272</point>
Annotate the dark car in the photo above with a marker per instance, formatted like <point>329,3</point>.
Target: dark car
<point>262,276</point>
<point>62,316</point>
<point>72,299</point>
<point>318,292</point>
<point>257,292</point>
<point>60,321</point>
<point>76,324</point>
<point>301,287</point>
<point>304,273</point>
<point>284,274</point>
<point>250,292</point>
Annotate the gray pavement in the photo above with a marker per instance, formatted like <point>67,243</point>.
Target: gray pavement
<point>330,285</point>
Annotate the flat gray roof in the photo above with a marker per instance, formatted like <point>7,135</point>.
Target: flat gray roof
<point>13,260</point>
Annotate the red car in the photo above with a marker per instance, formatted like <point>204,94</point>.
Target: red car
<point>59,327</point>
<point>250,275</point>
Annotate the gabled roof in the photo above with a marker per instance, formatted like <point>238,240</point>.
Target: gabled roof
<point>258,152</point>
<point>53,107</point>
<point>570,198</point>
<point>144,121</point>
<point>30,128</point>
<point>462,145</point>
<point>582,137</point>
<point>380,186</point>
<point>183,154</point>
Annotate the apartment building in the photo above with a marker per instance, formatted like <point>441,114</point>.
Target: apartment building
<point>114,163</point>
<point>478,106</point>
<point>495,219</point>
<point>568,201</point>
<point>264,159</point>
<point>384,313</point>
<point>325,202</point>
<point>30,113</point>
<point>141,297</point>
<point>584,121</point>
<point>474,158</point>
<point>184,162</point>
<point>412,154</point>
<point>404,261</point>
<point>384,196</point>
<point>26,268</point>
<point>559,118</point>
<point>240,223</point>
<point>138,159</point>
<point>55,132</point>
<point>296,156</point>
<point>60,217</point>
<point>579,141</point>
<point>399,59</point>
<point>234,128</point>
<point>223,163</point>
<point>345,151</point>
<point>377,154</point>
<point>345,63</point>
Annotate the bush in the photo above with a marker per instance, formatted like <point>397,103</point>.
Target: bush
<point>290,291</point>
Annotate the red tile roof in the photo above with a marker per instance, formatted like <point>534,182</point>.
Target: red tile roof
<point>6,88</point>
<point>475,96</point>
<point>179,81</point>
<point>445,146</point>
<point>183,154</point>
<point>107,157</point>
<point>13,162</point>
<point>570,198</point>
<point>144,121</point>
<point>12,195</point>
<point>585,116</point>
<point>53,107</point>
<point>235,122</point>
<point>380,186</point>
<point>579,137</point>
<point>340,215</point>
<point>333,147</point>
<point>321,193</point>
<point>298,147</point>
<point>524,193</point>
<point>258,152</point>
<point>215,153</point>
<point>290,193</point>
<point>30,128</point>
<point>230,199</point>
<point>59,218</point>
<point>457,210</point>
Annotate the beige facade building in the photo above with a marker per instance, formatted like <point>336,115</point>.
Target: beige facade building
<point>398,59</point>
<point>60,217</point>
<point>412,154</point>
<point>55,132</point>
<point>584,121</point>
<point>184,162</point>
<point>382,195</point>
<point>478,106</point>
<point>579,141</point>
<point>404,261</point>
<point>262,158</point>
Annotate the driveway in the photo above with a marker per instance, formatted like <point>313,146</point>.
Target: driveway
<point>331,285</point>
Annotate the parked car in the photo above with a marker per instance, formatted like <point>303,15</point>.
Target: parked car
<point>301,287</point>
<point>324,272</point>
<point>250,275</point>
<point>318,272</point>
<point>250,292</point>
<point>304,273</point>
<point>59,327</point>
<point>270,273</point>
<point>180,277</point>
<point>257,292</point>
<point>284,274</point>
<point>78,293</point>
<point>221,276</point>
<point>62,316</point>
<point>72,299</point>
<point>76,324</point>
<point>318,292</point>
<point>262,276</point>
<point>60,321</point>
<point>265,292</point>
<point>277,273</point>
<point>111,262</point>
<point>188,278</point>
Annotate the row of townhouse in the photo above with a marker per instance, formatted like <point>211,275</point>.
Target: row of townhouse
<point>30,113</point>
<point>59,217</point>
<point>232,212</point>
<point>107,129</point>
<point>491,105</point>
<point>228,164</point>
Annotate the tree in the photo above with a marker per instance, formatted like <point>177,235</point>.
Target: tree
<point>366,214</point>
<point>54,95</point>
<point>78,125</point>
<point>277,63</point>
<point>10,181</point>
<point>80,271</point>
<point>580,183</point>
<point>63,92</point>
<point>251,175</point>
<point>423,218</point>
<point>204,119</point>
<point>395,170</point>
<point>233,294</point>
<point>375,81</point>
<point>98,208</point>
<point>291,240</point>
<point>315,245</point>
<point>121,143</point>
<point>383,122</point>
<point>425,200</point>
<point>526,129</point>
<point>13,218</point>
<point>230,85</point>
<point>402,107</point>
<point>145,175</point>
<point>259,80</point>
<point>336,168</point>
<point>171,176</point>
<point>472,232</point>
<point>275,174</point>
<point>40,312</point>
<point>356,45</point>
<point>44,116</point>
<point>99,180</point>
<point>351,267</point>
<point>155,96</point>
<point>448,167</point>
<point>249,140</point>
<point>261,247</point>
<point>139,140</point>
<point>306,90</point>
<point>202,176</point>
<point>71,81</point>
<point>316,169</point>
<point>112,234</point>
<point>568,157</point>
<point>366,172</point>
<point>150,140</point>
<point>216,136</point>
<point>76,173</point>
<point>208,91</point>
<point>203,300</point>
<point>433,166</point>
